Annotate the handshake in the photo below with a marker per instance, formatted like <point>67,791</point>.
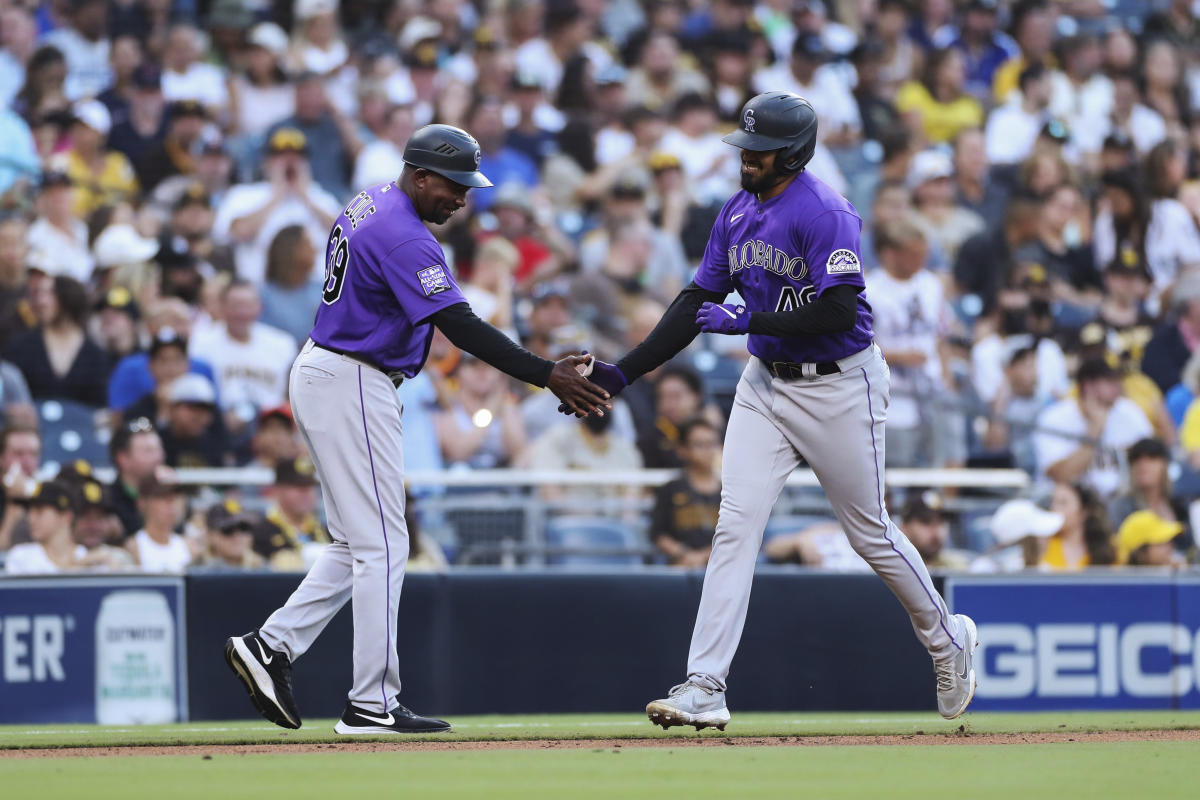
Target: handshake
<point>601,374</point>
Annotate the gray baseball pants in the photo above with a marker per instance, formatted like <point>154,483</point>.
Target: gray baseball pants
<point>836,423</point>
<point>349,416</point>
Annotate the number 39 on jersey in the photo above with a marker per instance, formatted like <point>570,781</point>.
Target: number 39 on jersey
<point>338,256</point>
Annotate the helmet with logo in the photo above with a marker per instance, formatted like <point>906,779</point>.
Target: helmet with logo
<point>778,121</point>
<point>450,152</point>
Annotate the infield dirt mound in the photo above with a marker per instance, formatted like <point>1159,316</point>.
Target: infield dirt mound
<point>963,736</point>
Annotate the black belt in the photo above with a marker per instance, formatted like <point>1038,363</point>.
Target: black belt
<point>790,371</point>
<point>396,378</point>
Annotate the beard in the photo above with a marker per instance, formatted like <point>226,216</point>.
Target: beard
<point>756,184</point>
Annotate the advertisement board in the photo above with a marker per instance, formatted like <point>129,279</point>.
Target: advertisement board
<point>1084,642</point>
<point>108,650</point>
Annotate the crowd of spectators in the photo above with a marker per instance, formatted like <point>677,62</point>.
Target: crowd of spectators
<point>1028,174</point>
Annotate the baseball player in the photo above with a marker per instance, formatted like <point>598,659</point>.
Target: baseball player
<point>386,286</point>
<point>816,388</point>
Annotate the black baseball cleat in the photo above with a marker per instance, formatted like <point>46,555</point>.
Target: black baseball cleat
<point>357,720</point>
<point>267,675</point>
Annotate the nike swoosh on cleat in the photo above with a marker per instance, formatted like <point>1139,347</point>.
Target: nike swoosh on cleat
<point>388,720</point>
<point>727,311</point>
<point>736,217</point>
<point>263,654</point>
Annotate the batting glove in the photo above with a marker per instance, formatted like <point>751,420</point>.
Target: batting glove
<point>723,318</point>
<point>607,376</point>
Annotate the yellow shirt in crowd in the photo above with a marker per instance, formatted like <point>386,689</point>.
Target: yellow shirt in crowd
<point>1055,559</point>
<point>941,121</point>
<point>116,181</point>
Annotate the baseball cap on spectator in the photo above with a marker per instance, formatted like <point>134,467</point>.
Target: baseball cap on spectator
<point>928,165</point>
<point>192,389</point>
<point>287,140</point>
<point>1056,131</point>
<point>167,337</point>
<point>569,339</point>
<point>307,9</point>
<point>186,108</point>
<point>661,161</point>
<point>296,471</point>
<point>121,299</point>
<point>485,39</point>
<point>54,179</point>
<point>1143,528</point>
<point>1018,519</point>
<point>612,75</point>
<point>94,114</point>
<point>211,144</point>
<point>810,46</point>
<point>1095,369</point>
<point>417,30</point>
<point>194,194</point>
<point>987,6</point>
<point>228,516</point>
<point>280,412</point>
<point>550,290</point>
<point>630,184</point>
<point>923,507</point>
<point>92,495</point>
<point>869,49</point>
<point>513,195</point>
<point>269,37</point>
<point>1118,140</point>
<point>1148,448</point>
<point>53,494</point>
<point>122,244</point>
<point>1128,261</point>
<point>524,80</point>
<point>153,486</point>
<point>147,77</point>
<point>230,14</point>
<point>75,472</point>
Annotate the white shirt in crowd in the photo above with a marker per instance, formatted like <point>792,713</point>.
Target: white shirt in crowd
<point>203,83</point>
<point>1011,132</point>
<point>1145,127</point>
<point>711,166</point>
<point>992,353</point>
<point>910,315</point>
<point>1062,428</point>
<point>88,69</point>
<point>378,162</point>
<point>829,94</point>
<point>29,559</point>
<point>1081,105</point>
<point>1172,241</point>
<point>260,107</point>
<point>56,252</point>
<point>255,371</point>
<point>173,556</point>
<point>250,257</point>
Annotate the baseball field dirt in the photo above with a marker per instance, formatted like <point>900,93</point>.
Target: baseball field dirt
<point>1014,757</point>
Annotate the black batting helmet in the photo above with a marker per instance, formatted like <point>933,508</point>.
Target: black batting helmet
<point>778,121</point>
<point>450,152</point>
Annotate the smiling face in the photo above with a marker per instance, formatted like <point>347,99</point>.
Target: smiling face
<point>437,197</point>
<point>758,170</point>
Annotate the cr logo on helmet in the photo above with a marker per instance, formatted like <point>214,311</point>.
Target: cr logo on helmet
<point>748,120</point>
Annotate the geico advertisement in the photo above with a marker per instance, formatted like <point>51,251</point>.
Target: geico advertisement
<point>1081,642</point>
<point>91,650</point>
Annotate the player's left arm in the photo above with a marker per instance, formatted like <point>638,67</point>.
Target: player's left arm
<point>830,244</point>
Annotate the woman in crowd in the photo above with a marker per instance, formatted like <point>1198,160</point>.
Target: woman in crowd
<point>260,95</point>
<point>1086,537</point>
<point>289,296</point>
<point>938,106</point>
<point>1172,240</point>
<point>1150,486</point>
<point>57,358</point>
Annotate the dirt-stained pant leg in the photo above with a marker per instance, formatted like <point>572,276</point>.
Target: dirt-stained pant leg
<point>837,423</point>
<point>757,460</point>
<point>349,416</point>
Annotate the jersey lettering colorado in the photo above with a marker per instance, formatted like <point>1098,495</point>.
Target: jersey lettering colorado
<point>782,254</point>
<point>385,275</point>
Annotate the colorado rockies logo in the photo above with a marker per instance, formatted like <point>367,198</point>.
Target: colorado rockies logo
<point>748,120</point>
<point>478,157</point>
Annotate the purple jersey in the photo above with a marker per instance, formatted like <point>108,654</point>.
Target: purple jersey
<point>782,254</point>
<point>385,275</point>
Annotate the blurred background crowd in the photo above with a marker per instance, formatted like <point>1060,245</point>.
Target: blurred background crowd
<point>1026,173</point>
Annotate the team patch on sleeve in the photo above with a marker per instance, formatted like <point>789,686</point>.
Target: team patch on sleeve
<point>434,280</point>
<point>842,261</point>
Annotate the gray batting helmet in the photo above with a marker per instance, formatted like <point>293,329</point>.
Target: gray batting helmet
<point>450,152</point>
<point>778,121</point>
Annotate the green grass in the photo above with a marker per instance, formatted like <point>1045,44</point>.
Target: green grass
<point>606,726</point>
<point>1096,771</point>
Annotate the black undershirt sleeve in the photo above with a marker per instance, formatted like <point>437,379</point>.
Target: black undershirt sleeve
<point>674,331</point>
<point>468,332</point>
<point>835,311</point>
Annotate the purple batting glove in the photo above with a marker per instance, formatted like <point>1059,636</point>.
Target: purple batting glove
<point>607,376</point>
<point>728,318</point>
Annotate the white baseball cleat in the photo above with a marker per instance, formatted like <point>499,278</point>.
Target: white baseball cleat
<point>956,675</point>
<point>690,704</point>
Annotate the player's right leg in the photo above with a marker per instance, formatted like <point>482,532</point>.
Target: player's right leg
<point>756,463</point>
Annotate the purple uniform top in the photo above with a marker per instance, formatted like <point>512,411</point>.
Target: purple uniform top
<point>385,275</point>
<point>782,254</point>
